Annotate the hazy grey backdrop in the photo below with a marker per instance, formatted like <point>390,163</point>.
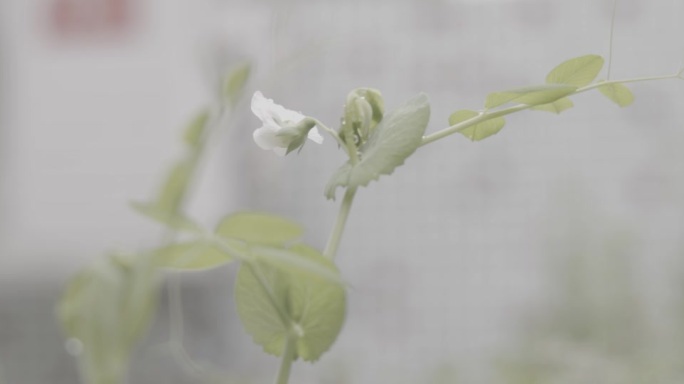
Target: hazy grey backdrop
<point>552,251</point>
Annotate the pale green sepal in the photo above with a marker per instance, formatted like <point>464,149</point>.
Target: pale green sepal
<point>259,228</point>
<point>296,134</point>
<point>618,93</point>
<point>556,107</point>
<point>477,131</point>
<point>534,95</point>
<point>235,82</point>
<point>314,308</point>
<point>394,139</point>
<point>193,255</point>
<point>578,71</point>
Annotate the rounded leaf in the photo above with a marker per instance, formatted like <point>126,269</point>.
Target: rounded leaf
<point>578,71</point>
<point>300,304</point>
<point>477,131</point>
<point>618,93</point>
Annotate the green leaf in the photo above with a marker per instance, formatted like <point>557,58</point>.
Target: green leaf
<point>313,309</point>
<point>166,207</point>
<point>579,71</point>
<point>195,131</point>
<point>277,256</point>
<point>618,93</point>
<point>107,308</point>
<point>259,228</point>
<point>170,219</point>
<point>393,140</point>
<point>235,82</point>
<point>556,107</point>
<point>289,261</point>
<point>264,238</point>
<point>191,255</point>
<point>477,131</point>
<point>534,95</point>
<point>174,188</point>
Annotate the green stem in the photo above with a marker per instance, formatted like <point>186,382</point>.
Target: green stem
<point>349,147</point>
<point>610,44</point>
<point>287,359</point>
<point>470,122</point>
<point>633,80</point>
<point>331,131</point>
<point>486,115</point>
<point>342,215</point>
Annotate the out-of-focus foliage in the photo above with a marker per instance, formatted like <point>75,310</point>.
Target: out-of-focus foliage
<point>444,374</point>
<point>191,255</point>
<point>260,228</point>
<point>234,83</point>
<point>104,311</point>
<point>595,328</point>
<point>167,207</point>
<point>106,308</point>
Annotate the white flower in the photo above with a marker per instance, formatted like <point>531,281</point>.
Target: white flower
<point>281,127</point>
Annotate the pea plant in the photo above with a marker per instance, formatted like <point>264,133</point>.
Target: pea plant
<point>290,297</point>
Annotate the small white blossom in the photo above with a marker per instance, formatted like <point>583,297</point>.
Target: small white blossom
<point>280,126</point>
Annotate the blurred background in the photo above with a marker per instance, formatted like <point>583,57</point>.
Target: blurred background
<point>552,252</point>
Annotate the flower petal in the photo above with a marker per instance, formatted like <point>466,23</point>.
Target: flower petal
<point>275,118</point>
<point>260,105</point>
<point>315,136</point>
<point>286,115</point>
<point>266,138</point>
<point>271,113</point>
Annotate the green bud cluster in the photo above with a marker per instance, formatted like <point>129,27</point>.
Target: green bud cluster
<point>362,113</point>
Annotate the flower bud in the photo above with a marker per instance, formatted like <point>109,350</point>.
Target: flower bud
<point>362,113</point>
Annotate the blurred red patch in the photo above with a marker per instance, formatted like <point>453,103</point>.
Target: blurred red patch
<point>75,18</point>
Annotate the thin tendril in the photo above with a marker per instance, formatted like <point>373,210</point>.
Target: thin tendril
<point>610,44</point>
